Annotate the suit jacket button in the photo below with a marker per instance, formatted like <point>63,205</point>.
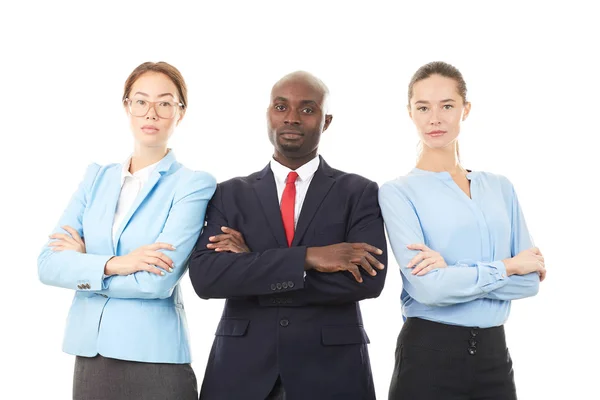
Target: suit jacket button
<point>284,322</point>
<point>290,284</point>
<point>278,286</point>
<point>284,285</point>
<point>273,287</point>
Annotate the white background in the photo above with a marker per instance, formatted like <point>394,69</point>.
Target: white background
<point>535,118</point>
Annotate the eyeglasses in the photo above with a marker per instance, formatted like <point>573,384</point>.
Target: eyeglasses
<point>163,109</point>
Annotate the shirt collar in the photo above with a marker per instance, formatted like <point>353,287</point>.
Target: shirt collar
<point>304,172</point>
<point>143,174</point>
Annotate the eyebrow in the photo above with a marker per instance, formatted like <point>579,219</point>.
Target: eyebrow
<point>441,101</point>
<point>160,95</point>
<point>311,102</point>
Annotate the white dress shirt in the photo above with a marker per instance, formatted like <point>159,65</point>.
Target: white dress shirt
<point>305,175</point>
<point>131,184</point>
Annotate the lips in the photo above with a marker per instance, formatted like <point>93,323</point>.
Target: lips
<point>149,129</point>
<point>436,133</point>
<point>289,134</point>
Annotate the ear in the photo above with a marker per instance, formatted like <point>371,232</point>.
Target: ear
<point>181,115</point>
<point>328,119</point>
<point>409,111</point>
<point>466,111</point>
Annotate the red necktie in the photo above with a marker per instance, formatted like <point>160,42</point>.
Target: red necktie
<point>288,203</point>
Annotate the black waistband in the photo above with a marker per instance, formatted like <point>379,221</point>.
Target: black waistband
<point>460,339</point>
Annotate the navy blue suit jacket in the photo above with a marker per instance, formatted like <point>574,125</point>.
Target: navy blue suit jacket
<point>276,322</point>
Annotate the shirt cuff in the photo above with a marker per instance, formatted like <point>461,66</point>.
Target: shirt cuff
<point>492,275</point>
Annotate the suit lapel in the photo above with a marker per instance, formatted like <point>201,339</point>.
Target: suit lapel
<point>163,166</point>
<point>267,194</point>
<point>317,191</point>
<point>112,197</point>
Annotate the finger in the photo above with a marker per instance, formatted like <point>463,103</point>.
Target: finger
<point>423,264</point>
<point>217,244</point>
<point>158,254</point>
<point>368,247</point>
<point>426,270</point>
<point>218,238</point>
<point>374,262</point>
<point>418,246</point>
<point>58,248</point>
<point>542,274</point>
<point>74,234</point>
<point>159,246</point>
<point>158,262</point>
<point>353,269</point>
<point>228,247</point>
<point>367,267</point>
<point>230,231</point>
<point>152,269</point>
<point>537,251</point>
<point>63,236</point>
<point>418,258</point>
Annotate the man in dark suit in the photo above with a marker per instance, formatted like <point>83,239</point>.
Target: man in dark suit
<point>292,248</point>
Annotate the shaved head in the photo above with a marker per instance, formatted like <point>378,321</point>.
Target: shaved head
<point>307,79</point>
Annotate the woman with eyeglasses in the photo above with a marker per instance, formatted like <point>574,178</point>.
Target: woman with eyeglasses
<point>122,245</point>
<point>464,252</point>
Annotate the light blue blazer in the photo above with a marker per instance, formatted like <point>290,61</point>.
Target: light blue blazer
<point>138,317</point>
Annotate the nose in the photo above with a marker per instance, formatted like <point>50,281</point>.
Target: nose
<point>434,120</point>
<point>151,114</point>
<point>292,117</point>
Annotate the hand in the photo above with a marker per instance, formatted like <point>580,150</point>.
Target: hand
<point>526,262</point>
<point>344,257</point>
<point>427,260</point>
<point>145,258</point>
<point>232,241</point>
<point>72,241</point>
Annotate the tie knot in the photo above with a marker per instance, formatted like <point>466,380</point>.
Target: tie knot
<point>291,178</point>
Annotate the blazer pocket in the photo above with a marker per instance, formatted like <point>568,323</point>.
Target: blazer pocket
<point>232,327</point>
<point>339,335</point>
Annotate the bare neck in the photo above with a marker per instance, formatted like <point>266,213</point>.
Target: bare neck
<point>440,160</point>
<point>293,163</point>
<point>144,156</point>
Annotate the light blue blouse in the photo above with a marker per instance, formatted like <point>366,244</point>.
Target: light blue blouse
<point>473,235</point>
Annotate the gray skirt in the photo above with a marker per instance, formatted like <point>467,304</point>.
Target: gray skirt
<point>101,378</point>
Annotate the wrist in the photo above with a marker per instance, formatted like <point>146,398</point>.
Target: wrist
<point>109,266</point>
<point>308,265</point>
<point>511,268</point>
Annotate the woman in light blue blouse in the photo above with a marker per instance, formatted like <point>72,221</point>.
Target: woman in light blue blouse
<point>464,252</point>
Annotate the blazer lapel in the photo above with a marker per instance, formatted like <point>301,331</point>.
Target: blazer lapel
<point>317,191</point>
<point>112,197</point>
<point>267,194</point>
<point>163,166</point>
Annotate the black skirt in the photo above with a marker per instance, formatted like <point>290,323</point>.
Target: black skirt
<point>439,361</point>
<point>101,378</point>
